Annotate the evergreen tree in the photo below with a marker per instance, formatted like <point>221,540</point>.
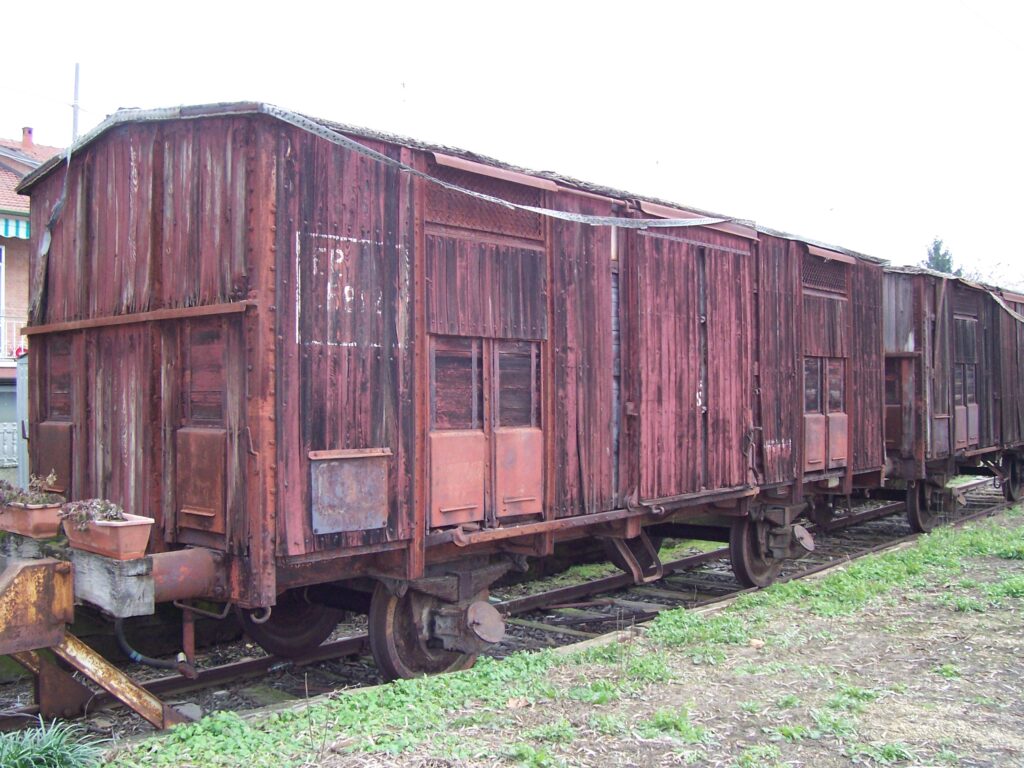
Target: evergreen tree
<point>940,259</point>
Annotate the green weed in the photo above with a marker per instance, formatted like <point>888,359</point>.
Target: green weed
<point>883,754</point>
<point>789,733</point>
<point>609,725</point>
<point>788,701</point>
<point>833,724</point>
<point>948,671</point>
<point>1013,586</point>
<point>58,745</point>
<point>530,756</point>
<point>558,732</point>
<point>675,724</point>
<point>758,756</point>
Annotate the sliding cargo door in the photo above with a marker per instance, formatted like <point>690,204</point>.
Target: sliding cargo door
<point>691,334</point>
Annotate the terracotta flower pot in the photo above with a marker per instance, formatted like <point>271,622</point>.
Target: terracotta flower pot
<point>37,521</point>
<point>118,539</point>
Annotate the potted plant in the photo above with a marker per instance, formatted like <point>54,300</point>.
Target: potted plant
<point>34,512</point>
<point>102,527</point>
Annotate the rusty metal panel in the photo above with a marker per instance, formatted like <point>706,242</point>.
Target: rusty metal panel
<point>200,479</point>
<point>973,424</point>
<point>815,442</point>
<point>36,601</point>
<point>583,449</point>
<point>485,289</point>
<point>837,440</point>
<point>53,453</point>
<point>349,493</point>
<point>519,471</point>
<point>960,427</point>
<point>779,357</point>
<point>458,466</point>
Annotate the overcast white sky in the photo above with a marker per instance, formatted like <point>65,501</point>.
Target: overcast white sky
<point>872,125</point>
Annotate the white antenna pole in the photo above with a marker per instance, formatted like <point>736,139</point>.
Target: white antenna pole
<point>74,110</point>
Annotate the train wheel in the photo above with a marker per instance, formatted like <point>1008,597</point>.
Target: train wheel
<point>922,512</point>
<point>747,548</point>
<point>1013,486</point>
<point>295,626</point>
<point>395,641</point>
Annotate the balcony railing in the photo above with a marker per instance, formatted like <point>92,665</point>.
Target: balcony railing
<point>12,340</point>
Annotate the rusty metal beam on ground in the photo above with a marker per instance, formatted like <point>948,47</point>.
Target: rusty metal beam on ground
<point>111,679</point>
<point>58,694</point>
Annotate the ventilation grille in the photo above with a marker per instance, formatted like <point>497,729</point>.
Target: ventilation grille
<point>825,275</point>
<point>456,209</point>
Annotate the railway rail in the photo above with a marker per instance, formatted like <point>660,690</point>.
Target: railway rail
<point>569,614</point>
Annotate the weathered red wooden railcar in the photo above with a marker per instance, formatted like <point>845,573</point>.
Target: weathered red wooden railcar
<point>954,391</point>
<point>344,370</point>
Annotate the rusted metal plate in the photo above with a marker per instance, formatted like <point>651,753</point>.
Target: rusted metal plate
<point>960,426</point>
<point>458,465</point>
<point>36,601</point>
<point>349,494</point>
<point>519,471</point>
<point>973,428</point>
<point>200,478</point>
<point>837,440</point>
<point>815,442</point>
<point>53,453</point>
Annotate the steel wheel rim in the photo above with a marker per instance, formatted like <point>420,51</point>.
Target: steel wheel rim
<point>295,626</point>
<point>395,643</point>
<point>750,567</point>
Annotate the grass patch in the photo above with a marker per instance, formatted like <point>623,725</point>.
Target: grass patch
<point>667,722</point>
<point>58,745</point>
<point>1012,586</point>
<point>788,701</point>
<point>403,715</point>
<point>881,754</point>
<point>607,725</point>
<point>851,698</point>
<point>559,732</point>
<point>948,671</point>
<point>790,733</point>
<point>833,724</point>
<point>758,756</point>
<point>528,755</point>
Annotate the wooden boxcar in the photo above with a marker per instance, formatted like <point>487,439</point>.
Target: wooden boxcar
<point>343,370</point>
<point>953,384</point>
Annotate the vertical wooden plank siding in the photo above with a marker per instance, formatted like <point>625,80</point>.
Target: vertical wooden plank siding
<point>339,213</point>
<point>779,359</point>
<point>868,367</point>
<point>581,338</point>
<point>694,360</point>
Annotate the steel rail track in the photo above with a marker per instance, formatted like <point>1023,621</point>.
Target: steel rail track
<point>172,685</point>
